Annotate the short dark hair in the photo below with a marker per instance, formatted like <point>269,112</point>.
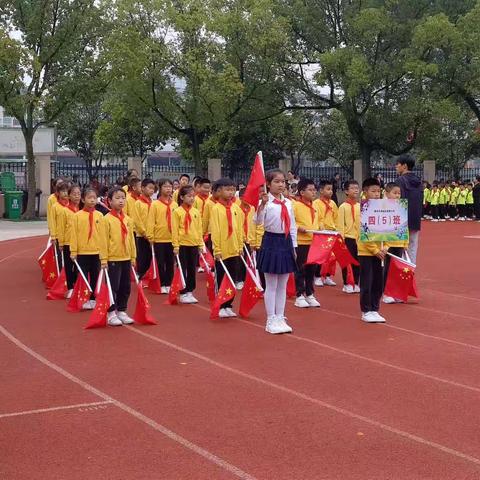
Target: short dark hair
<point>390,186</point>
<point>324,183</point>
<point>271,174</point>
<point>348,183</point>
<point>370,182</point>
<point>147,181</point>
<point>224,182</point>
<point>202,181</point>
<point>164,181</point>
<point>62,187</point>
<point>304,183</point>
<point>241,192</point>
<point>186,175</point>
<point>133,181</point>
<point>114,190</point>
<point>73,186</point>
<point>88,190</point>
<point>407,160</point>
<point>185,190</point>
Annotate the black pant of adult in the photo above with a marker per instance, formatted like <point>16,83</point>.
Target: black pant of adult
<point>371,283</point>
<point>305,274</point>
<point>188,261</point>
<point>70,268</point>
<point>476,209</point>
<point>351,244</point>
<point>90,265</point>
<point>119,274</point>
<point>469,210</point>
<point>231,265</point>
<point>165,262</point>
<point>398,251</point>
<point>144,256</point>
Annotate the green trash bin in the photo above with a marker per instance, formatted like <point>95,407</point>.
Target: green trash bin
<point>13,205</point>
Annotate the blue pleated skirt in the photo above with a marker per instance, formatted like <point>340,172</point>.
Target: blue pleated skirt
<point>276,254</point>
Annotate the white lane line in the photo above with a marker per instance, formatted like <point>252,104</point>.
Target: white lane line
<point>53,409</point>
<point>329,406</point>
<point>220,462</point>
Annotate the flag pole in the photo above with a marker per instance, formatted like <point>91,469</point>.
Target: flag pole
<point>83,275</point>
<point>227,273</point>
<point>135,275</point>
<point>99,282</point>
<point>248,255</point>
<point>110,293</point>
<point>56,258</point>
<point>410,264</point>
<point>179,265</point>
<point>49,243</point>
<point>155,273</point>
<point>252,276</point>
<point>205,262</point>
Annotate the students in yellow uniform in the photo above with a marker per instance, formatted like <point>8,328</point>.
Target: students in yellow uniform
<point>462,201</point>
<point>119,254</point>
<point>159,232</point>
<point>328,215</point>
<point>249,236</point>
<point>133,194</point>
<point>349,227</point>
<point>209,204</point>
<point>452,204</point>
<point>56,217</point>
<point>87,238</point>
<point>442,202</point>
<point>434,199</point>
<point>202,194</point>
<point>183,181</point>
<point>227,236</point>
<point>469,202</point>
<point>52,199</point>
<point>426,200</point>
<point>142,209</point>
<point>187,240</point>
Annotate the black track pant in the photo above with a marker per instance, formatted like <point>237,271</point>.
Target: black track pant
<point>90,265</point>
<point>144,256</point>
<point>188,260</point>
<point>371,283</point>
<point>165,262</point>
<point>351,244</point>
<point>119,274</point>
<point>70,268</point>
<point>231,264</point>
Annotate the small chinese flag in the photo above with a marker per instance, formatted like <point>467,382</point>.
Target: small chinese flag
<point>251,294</point>
<point>210,285</point>
<point>175,288</point>
<point>142,308</point>
<point>401,280</point>
<point>342,253</point>
<point>154,282</point>
<point>257,180</point>
<point>59,288</point>
<point>225,293</point>
<point>80,295</point>
<point>149,274</point>
<point>291,288</point>
<point>208,259</point>
<point>98,317</point>
<point>329,267</point>
<point>350,277</point>
<point>321,248</point>
<point>48,265</point>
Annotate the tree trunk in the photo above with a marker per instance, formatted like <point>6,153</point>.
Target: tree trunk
<point>366,152</point>
<point>29,213</point>
<point>197,160</point>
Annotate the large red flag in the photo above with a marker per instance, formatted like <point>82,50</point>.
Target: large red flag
<point>59,288</point>
<point>98,317</point>
<point>175,287</point>
<point>225,293</point>
<point>250,295</point>
<point>210,285</point>
<point>400,280</point>
<point>80,295</point>
<point>257,180</point>
<point>291,288</point>
<point>342,253</point>
<point>48,266</point>
<point>142,308</point>
<point>321,248</point>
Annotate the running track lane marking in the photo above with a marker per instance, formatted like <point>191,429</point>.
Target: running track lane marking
<point>16,253</point>
<point>54,409</point>
<point>135,413</point>
<point>313,400</point>
<point>361,357</point>
<point>462,297</point>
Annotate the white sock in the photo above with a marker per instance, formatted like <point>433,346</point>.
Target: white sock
<point>281,296</point>
<point>271,281</point>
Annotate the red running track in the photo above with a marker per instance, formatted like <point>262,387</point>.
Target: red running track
<point>196,399</point>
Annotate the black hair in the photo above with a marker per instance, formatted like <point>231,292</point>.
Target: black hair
<point>88,190</point>
<point>390,186</point>
<point>271,174</point>
<point>348,183</point>
<point>324,183</point>
<point>241,192</point>
<point>62,187</point>
<point>133,181</point>
<point>225,182</point>
<point>162,182</point>
<point>407,160</point>
<point>186,175</point>
<point>72,186</point>
<point>304,183</point>
<point>370,182</point>
<point>103,191</point>
<point>114,190</point>
<point>130,171</point>
<point>184,191</point>
<point>147,181</point>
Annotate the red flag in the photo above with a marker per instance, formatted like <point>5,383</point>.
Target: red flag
<point>321,248</point>
<point>142,308</point>
<point>250,295</point>
<point>98,317</point>
<point>48,265</point>
<point>400,280</point>
<point>225,293</point>
<point>329,267</point>
<point>154,282</point>
<point>208,259</point>
<point>342,253</point>
<point>59,288</point>
<point>175,287</point>
<point>291,288</point>
<point>80,295</point>
<point>350,277</point>
<point>149,274</point>
<point>210,285</point>
<point>257,180</point>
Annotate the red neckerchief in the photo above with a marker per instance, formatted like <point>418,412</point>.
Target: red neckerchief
<point>309,206</point>
<point>188,218</point>
<point>204,199</point>
<point>284,215</point>
<point>135,195</point>
<point>90,220</point>
<point>63,202</point>
<point>328,207</point>
<point>74,208</point>
<point>246,211</point>
<point>146,200</point>
<point>228,209</point>
<point>121,218</point>
<point>352,206</point>
<point>169,212</point>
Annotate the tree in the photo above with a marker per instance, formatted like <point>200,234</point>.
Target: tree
<point>47,66</point>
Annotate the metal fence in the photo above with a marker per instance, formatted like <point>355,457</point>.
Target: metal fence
<point>107,174</point>
<point>241,173</point>
<point>465,174</point>
<point>389,174</point>
<point>171,172</point>
<point>20,171</point>
<point>318,173</point>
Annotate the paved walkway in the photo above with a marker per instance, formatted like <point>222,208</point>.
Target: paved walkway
<point>10,230</point>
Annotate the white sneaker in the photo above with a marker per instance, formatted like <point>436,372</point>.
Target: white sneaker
<point>452,219</point>
<point>223,313</point>
<point>329,282</point>
<point>318,282</point>
<point>348,289</point>
<point>300,302</point>
<point>89,305</point>
<point>356,289</point>
<point>113,320</point>
<point>462,219</point>
<point>167,290</point>
<point>200,270</point>
<point>442,220</point>
<point>68,295</point>
<point>184,298</point>
<point>369,317</point>
<point>230,312</point>
<point>163,290</point>
<point>388,300</point>
<point>469,219</point>
<point>282,321</point>
<point>378,318</point>
<point>192,298</point>
<point>435,220</point>
<point>312,301</point>
<point>239,285</point>
<point>277,325</point>
<point>124,318</point>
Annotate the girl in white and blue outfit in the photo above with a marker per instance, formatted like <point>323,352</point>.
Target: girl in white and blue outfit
<point>276,257</point>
